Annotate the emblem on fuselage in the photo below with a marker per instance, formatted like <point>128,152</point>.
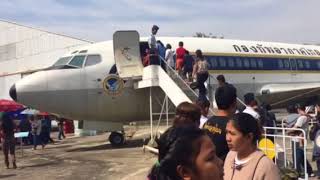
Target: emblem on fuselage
<point>113,85</point>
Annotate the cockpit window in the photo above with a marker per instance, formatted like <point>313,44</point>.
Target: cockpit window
<point>62,61</point>
<point>93,60</point>
<point>77,61</point>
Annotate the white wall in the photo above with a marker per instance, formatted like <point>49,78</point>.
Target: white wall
<point>6,83</point>
<point>25,48</point>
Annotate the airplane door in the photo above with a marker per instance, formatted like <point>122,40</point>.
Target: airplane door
<point>293,66</point>
<point>127,54</point>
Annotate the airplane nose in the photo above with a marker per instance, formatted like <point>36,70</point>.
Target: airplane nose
<point>13,92</point>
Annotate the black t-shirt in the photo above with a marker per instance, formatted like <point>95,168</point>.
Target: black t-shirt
<point>216,129</point>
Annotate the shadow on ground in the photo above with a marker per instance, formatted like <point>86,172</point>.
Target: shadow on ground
<point>39,165</point>
<point>128,144</point>
<point>7,175</point>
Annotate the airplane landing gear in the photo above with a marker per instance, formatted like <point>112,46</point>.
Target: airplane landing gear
<point>116,139</point>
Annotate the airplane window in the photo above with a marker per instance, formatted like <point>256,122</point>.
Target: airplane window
<point>230,62</point>
<point>222,62</point>
<point>77,61</point>
<point>300,64</point>
<point>293,64</point>
<point>280,63</point>
<point>239,62</point>
<point>260,63</point>
<point>307,64</point>
<point>93,60</point>
<point>246,63</point>
<point>214,62</point>
<point>253,63</point>
<point>318,64</point>
<point>62,61</point>
<point>286,64</point>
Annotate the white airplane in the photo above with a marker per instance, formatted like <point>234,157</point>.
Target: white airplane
<point>105,83</point>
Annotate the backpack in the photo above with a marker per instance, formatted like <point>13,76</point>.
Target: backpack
<point>202,66</point>
<point>313,131</point>
<point>291,120</point>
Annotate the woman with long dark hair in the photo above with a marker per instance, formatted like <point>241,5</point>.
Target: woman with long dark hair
<point>186,153</point>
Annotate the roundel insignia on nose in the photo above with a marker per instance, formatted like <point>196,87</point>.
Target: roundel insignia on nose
<point>113,85</point>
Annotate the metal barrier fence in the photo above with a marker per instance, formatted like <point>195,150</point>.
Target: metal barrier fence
<point>286,144</point>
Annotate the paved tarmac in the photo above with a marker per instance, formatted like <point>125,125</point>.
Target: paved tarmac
<point>88,158</point>
<point>82,158</point>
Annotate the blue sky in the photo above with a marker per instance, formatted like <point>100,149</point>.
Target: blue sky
<point>292,21</point>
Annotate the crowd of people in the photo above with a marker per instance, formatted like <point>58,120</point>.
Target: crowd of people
<point>38,128</point>
<point>223,146</point>
<point>198,146</point>
<point>194,70</point>
<point>185,151</point>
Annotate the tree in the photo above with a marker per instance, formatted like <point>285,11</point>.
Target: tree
<point>204,35</point>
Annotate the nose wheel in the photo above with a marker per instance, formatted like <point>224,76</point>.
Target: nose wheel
<point>116,139</point>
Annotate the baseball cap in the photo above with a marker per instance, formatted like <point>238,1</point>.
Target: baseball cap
<point>155,27</point>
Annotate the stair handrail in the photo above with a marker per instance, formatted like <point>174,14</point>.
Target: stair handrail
<point>177,75</point>
<point>238,99</point>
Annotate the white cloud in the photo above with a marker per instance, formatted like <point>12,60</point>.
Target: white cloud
<point>269,20</point>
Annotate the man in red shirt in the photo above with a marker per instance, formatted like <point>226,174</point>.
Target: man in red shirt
<point>180,52</point>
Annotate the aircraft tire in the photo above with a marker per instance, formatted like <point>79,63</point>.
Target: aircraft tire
<point>116,139</point>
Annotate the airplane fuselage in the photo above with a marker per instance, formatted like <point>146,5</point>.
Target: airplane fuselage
<point>84,90</point>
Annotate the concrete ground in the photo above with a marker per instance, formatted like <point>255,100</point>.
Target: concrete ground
<point>90,158</point>
<point>84,158</point>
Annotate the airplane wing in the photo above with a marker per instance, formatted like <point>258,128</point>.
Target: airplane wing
<point>289,87</point>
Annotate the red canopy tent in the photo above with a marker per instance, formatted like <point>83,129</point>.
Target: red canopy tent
<point>7,105</point>
<point>43,114</point>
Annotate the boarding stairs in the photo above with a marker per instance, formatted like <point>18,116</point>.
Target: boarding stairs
<point>182,84</point>
<point>170,82</point>
<point>127,55</point>
<point>129,65</point>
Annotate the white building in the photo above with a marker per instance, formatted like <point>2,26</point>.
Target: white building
<point>24,49</point>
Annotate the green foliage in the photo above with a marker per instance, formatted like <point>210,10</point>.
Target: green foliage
<point>289,174</point>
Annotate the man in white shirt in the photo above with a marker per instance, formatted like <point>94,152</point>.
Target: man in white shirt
<point>154,60</point>
<point>152,40</point>
<point>169,56</point>
<point>250,104</point>
<point>297,143</point>
<point>204,106</point>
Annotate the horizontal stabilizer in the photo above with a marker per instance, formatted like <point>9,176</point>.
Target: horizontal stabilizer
<point>289,87</point>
